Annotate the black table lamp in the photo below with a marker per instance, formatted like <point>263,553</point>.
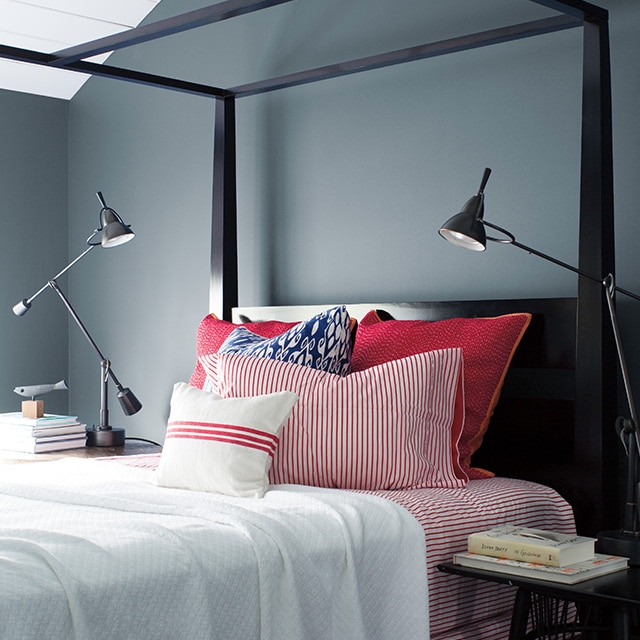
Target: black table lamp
<point>111,232</point>
<point>467,230</point>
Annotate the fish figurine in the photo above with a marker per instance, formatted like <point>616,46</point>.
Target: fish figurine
<point>31,391</point>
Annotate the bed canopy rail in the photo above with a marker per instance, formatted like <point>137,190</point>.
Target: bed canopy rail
<point>410,54</point>
<point>596,190</point>
<point>595,445</point>
<point>578,8</point>
<point>162,28</point>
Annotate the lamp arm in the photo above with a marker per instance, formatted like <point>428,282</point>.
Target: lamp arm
<point>510,239</point>
<point>23,306</point>
<point>54,285</point>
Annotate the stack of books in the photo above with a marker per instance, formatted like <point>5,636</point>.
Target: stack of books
<point>539,554</point>
<point>51,432</point>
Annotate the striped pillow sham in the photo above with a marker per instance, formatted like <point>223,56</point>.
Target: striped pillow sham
<point>392,426</point>
<point>221,446</point>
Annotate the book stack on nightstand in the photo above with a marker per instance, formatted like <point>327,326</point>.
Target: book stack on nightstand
<point>51,432</point>
<point>534,553</point>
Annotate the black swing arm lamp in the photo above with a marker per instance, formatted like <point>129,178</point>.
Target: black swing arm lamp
<point>111,232</point>
<point>467,230</point>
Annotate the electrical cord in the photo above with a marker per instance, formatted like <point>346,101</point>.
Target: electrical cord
<point>157,444</point>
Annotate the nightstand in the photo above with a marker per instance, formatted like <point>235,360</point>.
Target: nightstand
<point>607,605</point>
<point>130,448</point>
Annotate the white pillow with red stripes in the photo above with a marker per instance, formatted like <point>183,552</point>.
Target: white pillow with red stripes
<point>221,445</point>
<point>392,426</point>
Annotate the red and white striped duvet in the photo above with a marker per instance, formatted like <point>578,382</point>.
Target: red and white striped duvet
<point>448,516</point>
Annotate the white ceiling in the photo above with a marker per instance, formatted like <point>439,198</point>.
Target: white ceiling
<point>50,25</point>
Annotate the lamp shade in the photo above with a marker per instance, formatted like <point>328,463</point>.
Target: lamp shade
<point>128,401</point>
<point>114,230</point>
<point>465,229</point>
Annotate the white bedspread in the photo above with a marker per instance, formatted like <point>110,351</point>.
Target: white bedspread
<point>94,550</point>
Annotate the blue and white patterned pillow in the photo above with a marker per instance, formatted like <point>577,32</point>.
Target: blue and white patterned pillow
<point>322,342</point>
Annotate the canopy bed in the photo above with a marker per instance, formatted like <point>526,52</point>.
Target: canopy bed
<point>559,395</point>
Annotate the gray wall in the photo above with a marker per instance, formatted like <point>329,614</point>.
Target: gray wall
<point>33,244</point>
<point>343,184</point>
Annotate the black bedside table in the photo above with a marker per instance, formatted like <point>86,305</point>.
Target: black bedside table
<point>608,603</point>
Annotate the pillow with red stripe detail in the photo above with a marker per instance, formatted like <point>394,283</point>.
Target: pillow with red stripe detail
<point>394,426</point>
<point>487,344</point>
<point>221,445</point>
<point>212,332</point>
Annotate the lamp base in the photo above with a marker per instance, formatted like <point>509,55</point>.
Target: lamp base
<point>111,437</point>
<point>620,543</point>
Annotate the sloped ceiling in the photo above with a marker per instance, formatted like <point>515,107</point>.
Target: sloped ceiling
<point>50,25</point>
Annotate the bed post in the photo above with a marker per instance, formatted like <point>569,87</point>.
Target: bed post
<point>223,288</point>
<point>596,446</point>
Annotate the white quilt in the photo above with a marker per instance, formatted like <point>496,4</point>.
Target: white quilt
<point>93,550</point>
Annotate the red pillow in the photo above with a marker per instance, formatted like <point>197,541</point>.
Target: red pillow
<point>212,332</point>
<point>488,345</point>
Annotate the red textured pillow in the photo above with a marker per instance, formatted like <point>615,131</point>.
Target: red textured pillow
<point>212,332</point>
<point>394,426</point>
<point>488,345</point>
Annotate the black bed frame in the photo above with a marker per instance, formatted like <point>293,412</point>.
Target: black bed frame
<point>535,432</point>
<point>581,448</point>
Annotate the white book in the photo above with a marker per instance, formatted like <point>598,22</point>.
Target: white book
<point>39,446</point>
<point>599,565</point>
<point>54,438</point>
<point>49,419</point>
<point>22,430</point>
<point>532,545</point>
